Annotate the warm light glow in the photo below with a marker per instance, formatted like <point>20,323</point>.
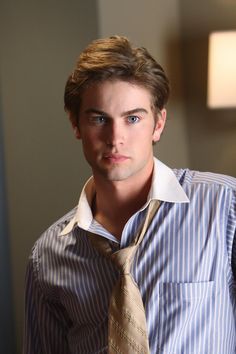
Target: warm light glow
<point>222,70</point>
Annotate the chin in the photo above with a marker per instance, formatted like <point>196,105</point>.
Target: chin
<point>117,176</point>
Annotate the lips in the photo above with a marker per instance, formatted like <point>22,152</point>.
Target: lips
<point>115,158</point>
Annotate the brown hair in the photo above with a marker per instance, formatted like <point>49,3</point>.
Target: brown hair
<point>115,58</point>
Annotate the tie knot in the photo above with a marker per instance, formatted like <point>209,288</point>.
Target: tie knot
<point>123,258</point>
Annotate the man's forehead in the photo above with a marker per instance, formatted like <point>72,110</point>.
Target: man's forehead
<point>118,94</point>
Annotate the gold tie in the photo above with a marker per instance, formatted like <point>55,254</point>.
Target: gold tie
<point>127,329</point>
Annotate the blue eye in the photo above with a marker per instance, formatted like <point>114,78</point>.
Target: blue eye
<point>133,119</point>
<point>99,120</point>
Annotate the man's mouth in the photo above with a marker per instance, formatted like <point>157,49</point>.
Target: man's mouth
<point>115,158</point>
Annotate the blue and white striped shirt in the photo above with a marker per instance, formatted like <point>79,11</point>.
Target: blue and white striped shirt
<point>185,268</point>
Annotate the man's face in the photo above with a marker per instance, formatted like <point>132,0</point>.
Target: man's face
<point>117,128</point>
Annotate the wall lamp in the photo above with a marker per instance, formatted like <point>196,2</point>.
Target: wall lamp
<point>221,86</point>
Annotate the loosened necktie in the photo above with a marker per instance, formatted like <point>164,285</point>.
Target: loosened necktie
<point>127,328</point>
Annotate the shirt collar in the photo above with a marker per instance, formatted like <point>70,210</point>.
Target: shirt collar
<point>165,187</point>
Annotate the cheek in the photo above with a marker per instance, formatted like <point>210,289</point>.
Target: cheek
<point>94,133</point>
<point>91,142</point>
<point>145,135</point>
<point>89,137</point>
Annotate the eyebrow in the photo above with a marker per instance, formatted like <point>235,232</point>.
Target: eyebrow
<point>126,113</point>
<point>94,110</point>
<point>133,111</point>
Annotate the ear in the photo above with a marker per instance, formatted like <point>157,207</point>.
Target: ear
<point>160,125</point>
<point>74,124</point>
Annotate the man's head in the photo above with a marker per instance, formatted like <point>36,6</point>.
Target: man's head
<point>115,58</point>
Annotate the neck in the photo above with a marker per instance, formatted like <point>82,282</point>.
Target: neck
<point>117,201</point>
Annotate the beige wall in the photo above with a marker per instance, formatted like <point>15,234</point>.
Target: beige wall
<point>44,164</point>
<point>211,133</point>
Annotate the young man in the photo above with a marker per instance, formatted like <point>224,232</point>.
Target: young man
<point>183,267</point>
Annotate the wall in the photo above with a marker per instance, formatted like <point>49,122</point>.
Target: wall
<point>7,335</point>
<point>44,165</point>
<point>211,133</point>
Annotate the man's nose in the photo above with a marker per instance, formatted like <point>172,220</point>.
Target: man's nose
<point>116,133</point>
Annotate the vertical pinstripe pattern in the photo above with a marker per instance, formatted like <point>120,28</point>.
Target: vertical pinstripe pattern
<point>184,268</point>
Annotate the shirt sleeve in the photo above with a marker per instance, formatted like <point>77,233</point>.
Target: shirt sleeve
<point>45,325</point>
<point>232,231</point>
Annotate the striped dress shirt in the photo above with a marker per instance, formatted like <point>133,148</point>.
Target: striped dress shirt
<point>185,269</point>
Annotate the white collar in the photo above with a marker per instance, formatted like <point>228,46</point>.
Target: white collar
<point>165,187</point>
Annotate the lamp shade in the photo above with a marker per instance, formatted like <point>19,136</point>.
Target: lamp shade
<point>221,90</point>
